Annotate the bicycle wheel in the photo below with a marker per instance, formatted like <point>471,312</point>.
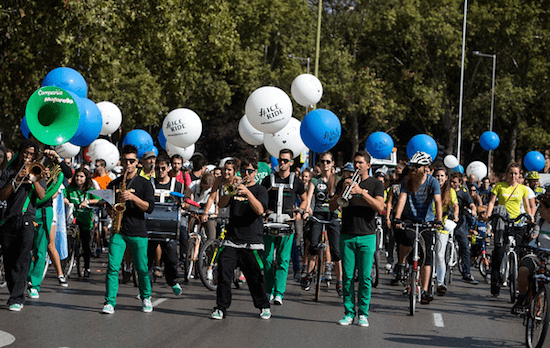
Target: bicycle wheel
<point>512,278</point>
<point>67,264</point>
<point>190,258</point>
<point>319,273</point>
<point>46,266</point>
<point>536,325</point>
<point>448,263</point>
<point>413,291</point>
<point>208,264</point>
<point>374,272</point>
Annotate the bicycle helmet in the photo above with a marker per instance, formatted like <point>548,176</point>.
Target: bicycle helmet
<point>421,158</point>
<point>348,167</point>
<point>533,175</point>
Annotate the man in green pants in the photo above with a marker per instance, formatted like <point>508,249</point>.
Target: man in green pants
<point>358,236</point>
<point>282,187</point>
<point>138,197</point>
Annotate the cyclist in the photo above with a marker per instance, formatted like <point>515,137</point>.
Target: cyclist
<point>77,194</point>
<point>243,243</point>
<point>283,187</point>
<point>533,178</point>
<point>419,192</point>
<point>462,228</point>
<point>322,188</point>
<point>485,190</point>
<point>392,197</point>
<point>200,191</point>
<point>358,237</point>
<point>530,262</point>
<point>163,185</point>
<point>508,195</point>
<point>449,204</point>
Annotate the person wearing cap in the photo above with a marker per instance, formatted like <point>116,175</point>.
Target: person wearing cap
<point>533,182</point>
<point>148,161</point>
<point>347,170</point>
<point>419,191</point>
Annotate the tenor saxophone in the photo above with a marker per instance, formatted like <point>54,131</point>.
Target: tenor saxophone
<point>119,207</point>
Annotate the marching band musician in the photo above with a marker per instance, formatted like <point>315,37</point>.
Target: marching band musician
<point>163,184</point>
<point>243,243</point>
<point>20,190</point>
<point>276,274</point>
<point>138,198</point>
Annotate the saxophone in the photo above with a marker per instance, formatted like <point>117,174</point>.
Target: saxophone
<point>120,207</point>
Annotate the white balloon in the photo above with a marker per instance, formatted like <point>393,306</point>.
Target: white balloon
<point>306,89</point>
<point>112,117</point>
<point>186,153</point>
<point>182,127</point>
<point>479,169</point>
<point>112,158</point>
<point>107,152</point>
<point>250,135</point>
<point>67,150</point>
<point>287,138</point>
<point>96,143</point>
<point>268,109</point>
<point>450,161</point>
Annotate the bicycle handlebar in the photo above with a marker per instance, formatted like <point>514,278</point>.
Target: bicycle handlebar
<point>421,225</point>
<point>316,219</point>
<point>509,220</point>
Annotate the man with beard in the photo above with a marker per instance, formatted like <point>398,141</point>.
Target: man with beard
<point>419,191</point>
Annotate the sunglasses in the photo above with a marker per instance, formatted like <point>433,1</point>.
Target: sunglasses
<point>163,168</point>
<point>326,161</point>
<point>473,190</point>
<point>284,160</point>
<point>128,160</point>
<point>247,171</point>
<point>415,165</point>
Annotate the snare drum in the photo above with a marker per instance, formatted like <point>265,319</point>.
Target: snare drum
<point>278,229</point>
<point>163,224</point>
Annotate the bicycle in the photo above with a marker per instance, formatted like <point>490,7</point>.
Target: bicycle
<point>197,236</point>
<point>451,258</point>
<point>509,265</point>
<point>323,254</point>
<point>208,258</point>
<point>375,274</point>
<point>537,316</point>
<point>416,260</point>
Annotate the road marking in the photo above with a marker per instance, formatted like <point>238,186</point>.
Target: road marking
<point>438,320</point>
<point>6,339</point>
<point>159,301</point>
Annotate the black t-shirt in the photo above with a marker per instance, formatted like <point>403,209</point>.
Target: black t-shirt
<point>289,194</point>
<point>133,220</point>
<point>16,200</point>
<point>358,216</point>
<point>464,201</point>
<point>245,226</point>
<point>164,189</point>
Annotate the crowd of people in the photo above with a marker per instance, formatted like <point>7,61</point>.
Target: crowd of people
<point>348,200</point>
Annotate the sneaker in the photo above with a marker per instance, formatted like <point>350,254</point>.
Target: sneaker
<point>62,281</point>
<point>363,321</point>
<point>270,298</point>
<point>519,306</point>
<point>217,314</point>
<point>306,282</point>
<point>87,273</point>
<point>146,305</point>
<point>470,279</point>
<point>388,267</point>
<point>15,307</point>
<point>429,296</point>
<point>266,313</point>
<point>33,293</point>
<point>346,320</point>
<point>176,289</point>
<point>441,290</point>
<point>97,252</point>
<point>278,300</point>
<point>108,309</point>
<point>339,288</point>
<point>424,298</point>
<point>399,274</point>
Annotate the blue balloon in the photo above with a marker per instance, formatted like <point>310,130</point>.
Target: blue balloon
<point>379,145</point>
<point>489,140</point>
<point>68,79</point>
<point>162,139</point>
<point>90,123</point>
<point>459,169</point>
<point>534,160</point>
<point>320,130</point>
<point>25,127</point>
<point>155,150</point>
<point>140,139</point>
<point>424,143</point>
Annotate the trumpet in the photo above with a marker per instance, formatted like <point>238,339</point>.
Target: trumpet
<point>35,171</point>
<point>231,189</point>
<point>343,200</point>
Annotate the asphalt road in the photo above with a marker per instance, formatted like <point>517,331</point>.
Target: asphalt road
<point>71,317</point>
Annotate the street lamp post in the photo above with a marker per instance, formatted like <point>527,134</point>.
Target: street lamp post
<point>459,140</point>
<point>494,56</point>
<point>301,58</point>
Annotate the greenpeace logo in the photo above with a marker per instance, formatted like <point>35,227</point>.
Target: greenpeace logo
<point>41,92</point>
<point>59,100</point>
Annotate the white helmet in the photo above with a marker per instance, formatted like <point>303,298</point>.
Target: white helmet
<point>421,158</point>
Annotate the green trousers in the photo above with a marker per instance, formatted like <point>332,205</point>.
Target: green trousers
<point>117,246</point>
<point>40,246</point>
<point>276,272</point>
<point>357,252</point>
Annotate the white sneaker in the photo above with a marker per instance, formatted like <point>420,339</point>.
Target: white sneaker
<point>146,305</point>
<point>33,293</point>
<point>278,300</point>
<point>217,314</point>
<point>363,321</point>
<point>108,309</point>
<point>266,313</point>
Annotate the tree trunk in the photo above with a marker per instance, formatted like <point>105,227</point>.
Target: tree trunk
<point>354,133</point>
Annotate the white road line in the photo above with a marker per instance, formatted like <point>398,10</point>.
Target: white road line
<point>438,320</point>
<point>6,339</point>
<point>159,301</point>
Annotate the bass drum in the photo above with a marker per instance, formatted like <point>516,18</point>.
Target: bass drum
<point>164,223</point>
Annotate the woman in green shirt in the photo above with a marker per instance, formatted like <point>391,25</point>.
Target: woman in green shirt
<point>77,194</point>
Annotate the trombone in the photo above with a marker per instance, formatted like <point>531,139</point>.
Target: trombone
<point>343,200</point>
<point>34,170</point>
